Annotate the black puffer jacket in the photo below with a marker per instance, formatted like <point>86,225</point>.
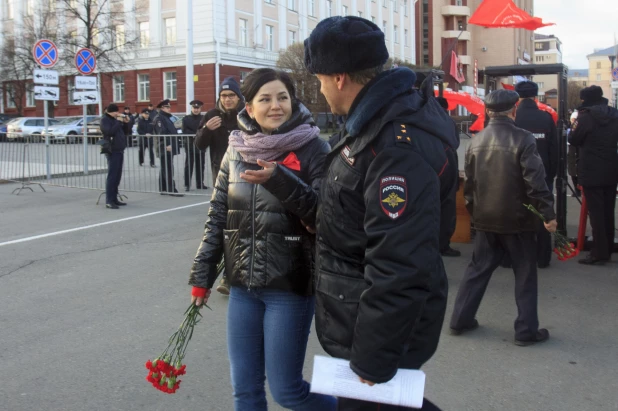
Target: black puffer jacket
<point>258,228</point>
<point>381,287</point>
<point>113,130</point>
<point>595,134</point>
<point>503,172</point>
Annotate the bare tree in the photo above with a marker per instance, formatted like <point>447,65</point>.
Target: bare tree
<point>573,100</point>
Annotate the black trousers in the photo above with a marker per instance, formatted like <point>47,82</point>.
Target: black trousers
<point>167,184</point>
<point>347,404</point>
<point>448,207</point>
<point>194,158</point>
<point>143,143</point>
<point>601,203</point>
<point>489,249</point>
<point>114,175</point>
<point>543,238</point>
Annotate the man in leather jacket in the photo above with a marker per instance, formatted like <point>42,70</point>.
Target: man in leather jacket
<point>542,126</point>
<point>194,157</point>
<point>169,146</point>
<point>114,129</point>
<point>503,172</point>
<point>380,282</point>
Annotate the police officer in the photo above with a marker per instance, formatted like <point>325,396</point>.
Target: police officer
<point>504,172</point>
<point>194,156</point>
<point>542,126</point>
<point>145,130</point>
<point>113,127</point>
<point>169,146</point>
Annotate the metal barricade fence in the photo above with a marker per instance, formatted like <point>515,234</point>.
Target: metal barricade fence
<point>31,160</point>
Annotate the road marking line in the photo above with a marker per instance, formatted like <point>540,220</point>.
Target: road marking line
<point>71,230</point>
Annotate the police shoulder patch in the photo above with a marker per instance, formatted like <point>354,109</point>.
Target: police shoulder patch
<point>393,196</point>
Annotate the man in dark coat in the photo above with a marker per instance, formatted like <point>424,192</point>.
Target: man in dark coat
<point>218,123</point>
<point>380,282</point>
<point>113,127</point>
<point>169,146</point>
<point>595,134</point>
<point>542,126</point>
<point>194,157</point>
<point>504,172</point>
<point>145,130</point>
<point>130,123</point>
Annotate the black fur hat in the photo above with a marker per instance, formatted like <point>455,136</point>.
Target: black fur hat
<point>592,96</point>
<point>344,45</point>
<point>527,89</point>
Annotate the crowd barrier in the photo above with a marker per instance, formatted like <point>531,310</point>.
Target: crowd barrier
<point>32,160</point>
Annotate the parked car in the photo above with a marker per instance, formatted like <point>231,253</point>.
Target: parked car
<point>68,129</point>
<point>5,118</point>
<point>21,127</point>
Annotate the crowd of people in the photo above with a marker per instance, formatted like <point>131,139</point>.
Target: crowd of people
<point>353,230</point>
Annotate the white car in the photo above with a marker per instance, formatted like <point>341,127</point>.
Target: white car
<point>68,129</point>
<point>22,127</point>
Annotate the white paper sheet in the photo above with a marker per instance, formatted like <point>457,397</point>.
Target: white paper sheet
<point>333,376</point>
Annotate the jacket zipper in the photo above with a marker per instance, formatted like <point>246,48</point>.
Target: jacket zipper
<point>252,234</point>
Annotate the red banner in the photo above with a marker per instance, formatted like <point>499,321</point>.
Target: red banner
<point>504,13</point>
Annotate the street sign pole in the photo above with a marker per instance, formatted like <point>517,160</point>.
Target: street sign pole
<point>47,154</point>
<point>85,141</point>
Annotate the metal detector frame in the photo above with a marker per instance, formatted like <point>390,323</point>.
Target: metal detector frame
<point>493,73</point>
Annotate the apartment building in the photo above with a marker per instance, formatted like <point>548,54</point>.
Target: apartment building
<point>442,27</point>
<point>600,70</point>
<point>547,50</point>
<point>230,38</point>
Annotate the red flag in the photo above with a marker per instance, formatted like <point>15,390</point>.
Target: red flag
<point>473,104</point>
<point>504,13</point>
<point>508,86</point>
<point>455,71</point>
<point>291,162</point>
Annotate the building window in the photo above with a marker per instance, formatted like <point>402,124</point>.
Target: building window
<point>74,46</point>
<point>71,92</point>
<point>373,20</point>
<point>30,7</point>
<point>405,37</point>
<point>119,39</point>
<point>395,35</point>
<point>584,83</point>
<point>118,88</point>
<point>169,90</point>
<point>144,34</point>
<point>538,46</point>
<point>359,13</point>
<point>540,84</point>
<point>312,8</point>
<point>598,64</point>
<point>170,31</point>
<point>329,8</point>
<point>242,32</point>
<point>598,77</point>
<point>270,38</point>
<point>243,76</point>
<point>292,5</point>
<point>143,87</point>
<point>344,10</point>
<point>405,7</point>
<point>52,5</point>
<point>292,35</point>
<point>30,96</point>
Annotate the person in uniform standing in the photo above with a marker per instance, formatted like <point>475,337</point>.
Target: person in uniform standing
<point>542,126</point>
<point>169,146</point>
<point>145,130</point>
<point>214,132</point>
<point>113,127</point>
<point>503,172</point>
<point>381,286</point>
<point>595,134</point>
<point>194,156</point>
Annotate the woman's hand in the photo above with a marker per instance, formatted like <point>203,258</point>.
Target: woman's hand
<point>199,301</point>
<point>259,176</point>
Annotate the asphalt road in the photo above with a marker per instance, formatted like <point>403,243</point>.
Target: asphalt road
<point>83,310</point>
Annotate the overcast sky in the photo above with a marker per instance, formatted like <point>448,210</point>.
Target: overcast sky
<point>582,26</point>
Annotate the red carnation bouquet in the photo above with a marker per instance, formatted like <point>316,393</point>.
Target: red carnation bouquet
<point>563,248</point>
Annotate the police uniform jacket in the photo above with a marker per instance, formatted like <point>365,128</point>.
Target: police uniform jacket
<point>595,134</point>
<point>112,130</point>
<point>542,126</point>
<point>191,123</point>
<point>163,126</point>
<point>503,172</point>
<point>258,228</point>
<point>144,126</point>
<point>381,287</point>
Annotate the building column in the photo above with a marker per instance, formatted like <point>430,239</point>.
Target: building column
<point>354,11</point>
<point>283,25</point>
<point>322,9</point>
<point>18,19</point>
<point>379,17</point>
<point>368,10</point>
<point>412,33</point>
<point>391,23</point>
<point>337,11</point>
<point>230,9</point>
<point>258,27</point>
<point>155,23</point>
<point>181,25</point>
<point>130,23</point>
<point>402,33</point>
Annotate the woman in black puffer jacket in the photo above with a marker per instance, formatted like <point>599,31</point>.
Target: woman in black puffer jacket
<point>265,195</point>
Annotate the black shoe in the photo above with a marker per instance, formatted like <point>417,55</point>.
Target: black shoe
<point>120,203</point>
<point>153,166</point>
<point>112,206</point>
<point>141,164</point>
<point>204,187</point>
<point>450,252</point>
<point>175,194</point>
<point>459,331</point>
<point>592,261</point>
<point>187,189</point>
<point>542,335</point>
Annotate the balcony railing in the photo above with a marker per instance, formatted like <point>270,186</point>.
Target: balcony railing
<point>455,11</point>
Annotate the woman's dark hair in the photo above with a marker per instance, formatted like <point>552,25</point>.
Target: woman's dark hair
<point>258,77</point>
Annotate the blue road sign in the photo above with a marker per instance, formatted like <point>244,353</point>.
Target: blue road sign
<point>45,53</point>
<point>85,61</point>
<point>615,74</point>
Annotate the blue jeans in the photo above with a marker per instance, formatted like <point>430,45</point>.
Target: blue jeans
<point>267,333</point>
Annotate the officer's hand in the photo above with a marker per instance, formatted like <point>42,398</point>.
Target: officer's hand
<point>369,383</point>
<point>199,301</point>
<point>214,123</point>
<point>551,226</point>
<point>148,134</point>
<point>308,227</point>
<point>259,176</point>
<point>168,148</point>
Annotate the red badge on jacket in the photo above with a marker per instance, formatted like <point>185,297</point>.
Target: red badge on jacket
<point>291,162</point>
<point>393,196</point>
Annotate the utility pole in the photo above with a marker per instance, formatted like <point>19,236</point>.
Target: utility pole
<point>189,46</point>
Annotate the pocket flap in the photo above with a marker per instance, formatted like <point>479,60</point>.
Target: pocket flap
<point>342,288</point>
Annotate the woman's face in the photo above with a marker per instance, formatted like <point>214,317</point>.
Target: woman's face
<point>271,106</point>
